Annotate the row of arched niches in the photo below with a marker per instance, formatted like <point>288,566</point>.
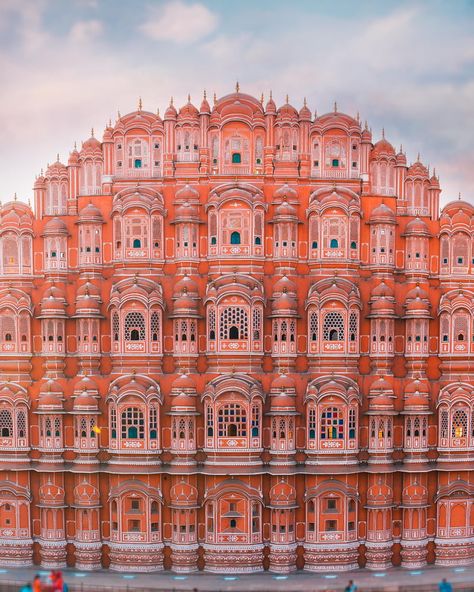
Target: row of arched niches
<point>233,339</point>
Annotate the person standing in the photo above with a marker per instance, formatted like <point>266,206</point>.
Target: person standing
<point>445,586</point>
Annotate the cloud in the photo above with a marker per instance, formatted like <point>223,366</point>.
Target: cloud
<point>85,31</point>
<point>179,22</point>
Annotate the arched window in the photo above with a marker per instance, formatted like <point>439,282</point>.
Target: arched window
<point>236,158</point>
<point>232,420</point>
<point>132,424</point>
<point>235,238</point>
<point>6,423</point>
<point>333,327</point>
<point>134,326</point>
<point>334,243</point>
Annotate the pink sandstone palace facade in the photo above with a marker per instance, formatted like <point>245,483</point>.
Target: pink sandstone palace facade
<point>233,339</point>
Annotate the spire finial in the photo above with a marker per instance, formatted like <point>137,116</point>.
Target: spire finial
<point>92,132</point>
<point>335,106</point>
<point>418,157</point>
<point>14,196</point>
<point>189,98</point>
<point>459,196</point>
<point>261,98</point>
<point>118,114</point>
<point>237,86</point>
<point>110,122</point>
<point>157,111</point>
<point>358,117</point>
<point>383,133</point>
<point>57,157</point>
<point>42,172</point>
<point>401,148</point>
<point>366,126</point>
<point>271,94</point>
<point>304,101</point>
<point>287,99</point>
<point>205,94</point>
<point>215,99</point>
<point>140,104</point>
<point>171,101</point>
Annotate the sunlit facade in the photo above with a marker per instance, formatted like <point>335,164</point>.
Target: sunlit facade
<point>233,339</point>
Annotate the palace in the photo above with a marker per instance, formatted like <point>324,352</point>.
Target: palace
<point>236,338</point>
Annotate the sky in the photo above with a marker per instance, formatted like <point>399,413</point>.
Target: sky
<point>67,66</point>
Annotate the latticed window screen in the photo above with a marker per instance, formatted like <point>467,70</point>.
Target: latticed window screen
<point>211,319</point>
<point>332,424</point>
<point>156,232</point>
<point>461,326</point>
<point>21,424</point>
<point>333,327</point>
<point>6,423</point>
<point>134,326</point>
<point>210,421</point>
<point>257,323</point>
<point>353,326</point>
<point>352,423</point>
<point>116,326</point>
<point>133,423</point>
<point>57,427</point>
<point>313,325</point>
<point>444,423</point>
<point>7,327</point>
<point>233,323</point>
<point>153,422</point>
<point>155,326</point>
<point>113,423</point>
<point>416,427</point>
<point>83,427</point>
<point>255,420</point>
<point>312,423</point>
<point>459,424</point>
<point>232,420</point>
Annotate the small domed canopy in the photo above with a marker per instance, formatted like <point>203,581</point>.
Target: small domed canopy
<point>285,211</point>
<point>171,112</point>
<point>55,227</point>
<point>417,303</point>
<point>287,112</point>
<point>382,148</point>
<point>188,111</point>
<point>270,107</point>
<point>283,384</point>
<point>417,227</point>
<point>186,212</point>
<point>85,403</point>
<point>381,398</point>
<point>283,495</point>
<point>382,214</point>
<point>414,495</point>
<point>73,159</point>
<point>187,193</point>
<point>53,304</point>
<point>335,119</point>
<point>16,215</point>
<point>57,169</point>
<point>86,495</point>
<point>185,306</point>
<point>183,391</point>
<point>86,384</point>
<point>382,291</point>
<point>91,146</point>
<point>416,396</point>
<point>283,285</point>
<point>284,305</point>
<point>286,191</point>
<point>380,495</point>
<point>417,169</point>
<point>90,213</point>
<point>51,397</point>
<point>186,285</point>
<point>183,495</point>
<point>305,113</point>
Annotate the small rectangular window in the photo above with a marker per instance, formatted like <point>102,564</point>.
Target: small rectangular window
<point>331,525</point>
<point>335,162</point>
<point>460,260</point>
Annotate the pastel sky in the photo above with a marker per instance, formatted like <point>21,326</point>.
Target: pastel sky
<point>68,65</point>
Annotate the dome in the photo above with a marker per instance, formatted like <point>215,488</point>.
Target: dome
<point>417,169</point>
<point>238,104</point>
<point>287,111</point>
<point>401,158</point>
<point>73,158</point>
<point>90,213</point>
<point>286,191</point>
<point>284,284</point>
<point>285,209</point>
<point>86,384</point>
<point>185,285</point>
<point>383,147</point>
<point>187,193</point>
<point>88,289</point>
<point>382,214</point>
<point>283,383</point>
<point>171,112</point>
<point>184,305</point>
<point>461,216</point>
<point>186,212</point>
<point>382,291</point>
<point>53,303</point>
<point>417,227</point>
<point>417,302</point>
<point>417,395</point>
<point>283,402</point>
<point>56,169</point>
<point>305,113</point>
<point>337,119</point>
<point>183,390</point>
<point>379,494</point>
<point>270,107</point>
<point>188,111</point>
<point>91,145</point>
<point>183,382</point>
<point>55,226</point>
<point>85,402</point>
<point>205,107</point>
<point>284,303</point>
<point>417,292</point>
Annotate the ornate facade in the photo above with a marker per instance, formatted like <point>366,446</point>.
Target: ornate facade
<point>233,339</point>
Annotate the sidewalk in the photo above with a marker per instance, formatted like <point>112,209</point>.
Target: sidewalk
<point>391,580</point>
